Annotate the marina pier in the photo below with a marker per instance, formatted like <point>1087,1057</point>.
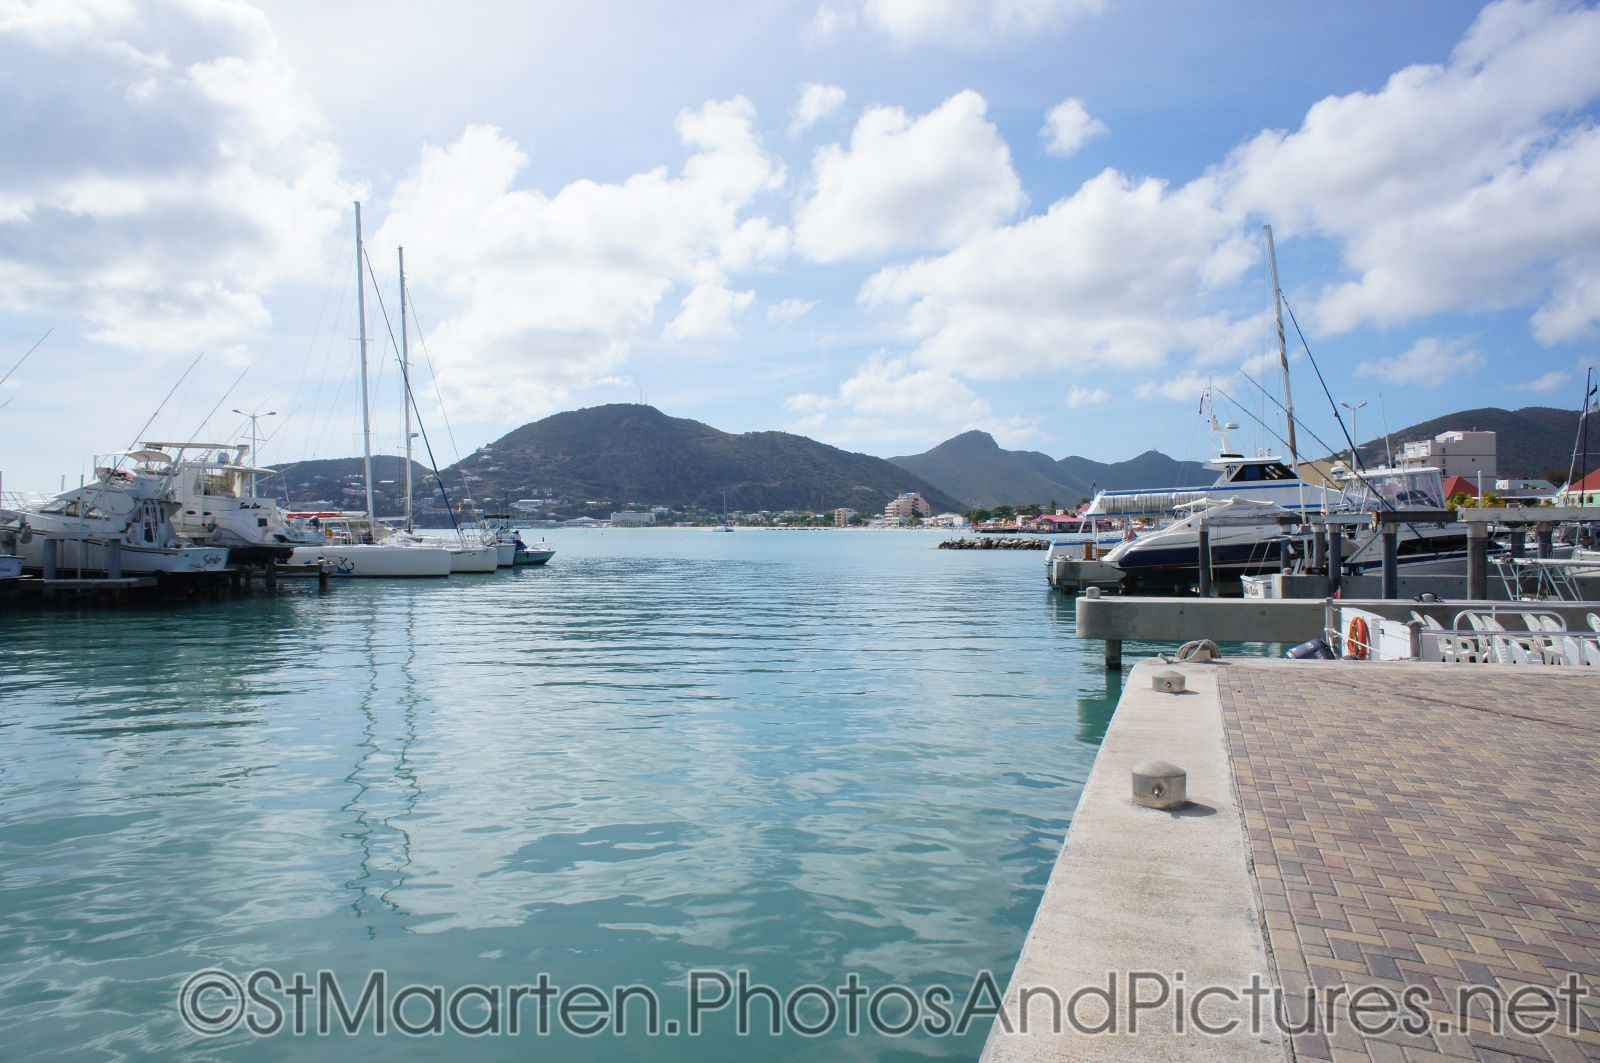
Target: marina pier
<point>1403,826</point>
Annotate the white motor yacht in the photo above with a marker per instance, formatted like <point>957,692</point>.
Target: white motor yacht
<point>120,521</point>
<point>219,504</point>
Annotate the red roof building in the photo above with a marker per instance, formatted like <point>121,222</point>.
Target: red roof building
<point>1459,485</point>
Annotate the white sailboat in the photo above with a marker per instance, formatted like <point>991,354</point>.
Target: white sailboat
<point>355,543</point>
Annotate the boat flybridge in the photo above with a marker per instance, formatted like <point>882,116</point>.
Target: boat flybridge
<point>219,504</point>
<point>1263,478</point>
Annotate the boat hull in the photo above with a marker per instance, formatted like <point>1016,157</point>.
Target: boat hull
<point>369,561</point>
<point>473,559</point>
<point>505,554</point>
<point>535,555</point>
<point>77,555</point>
<point>10,566</point>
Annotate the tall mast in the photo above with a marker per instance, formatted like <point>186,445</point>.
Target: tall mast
<point>366,412</point>
<point>405,380</point>
<point>1283,347</point>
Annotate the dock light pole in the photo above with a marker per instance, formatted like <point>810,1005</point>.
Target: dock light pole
<point>254,417</point>
<point>1355,437</point>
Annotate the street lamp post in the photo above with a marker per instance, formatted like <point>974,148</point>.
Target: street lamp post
<point>1355,437</point>
<point>254,417</point>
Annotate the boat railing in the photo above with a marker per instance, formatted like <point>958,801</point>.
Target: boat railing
<point>1490,634</point>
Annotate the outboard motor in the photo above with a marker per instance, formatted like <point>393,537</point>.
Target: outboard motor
<point>1316,648</point>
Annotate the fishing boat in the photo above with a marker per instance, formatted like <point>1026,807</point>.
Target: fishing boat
<point>120,522</point>
<point>219,503</point>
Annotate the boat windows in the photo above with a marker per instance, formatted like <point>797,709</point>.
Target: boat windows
<point>1256,472</point>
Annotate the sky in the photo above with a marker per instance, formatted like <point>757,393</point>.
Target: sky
<point>878,223</point>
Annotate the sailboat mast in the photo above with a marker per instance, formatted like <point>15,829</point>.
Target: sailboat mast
<point>1283,346</point>
<point>405,380</point>
<point>366,412</point>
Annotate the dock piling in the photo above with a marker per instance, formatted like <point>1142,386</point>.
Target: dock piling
<point>1113,655</point>
<point>1205,560</point>
<point>50,546</point>
<point>1477,560</point>
<point>1391,561</point>
<point>1335,561</point>
<point>1546,539</point>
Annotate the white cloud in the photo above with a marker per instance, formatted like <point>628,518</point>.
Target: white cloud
<point>816,103</point>
<point>909,185</point>
<point>1185,387</point>
<point>1429,362</point>
<point>790,310</point>
<point>708,312</point>
<point>1069,126</point>
<point>164,174</point>
<point>890,400</point>
<point>1080,396</point>
<point>951,22</point>
<point>1462,186</point>
<point>1550,381</point>
<point>1106,278</point>
<point>546,292</point>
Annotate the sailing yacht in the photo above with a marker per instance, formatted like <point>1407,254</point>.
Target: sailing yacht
<point>355,543</point>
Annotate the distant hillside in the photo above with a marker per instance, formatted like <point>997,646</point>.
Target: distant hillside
<point>335,483</point>
<point>1532,441</point>
<point>626,453</point>
<point>974,467</point>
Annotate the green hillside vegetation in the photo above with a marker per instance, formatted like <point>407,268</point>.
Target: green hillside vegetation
<point>973,467</point>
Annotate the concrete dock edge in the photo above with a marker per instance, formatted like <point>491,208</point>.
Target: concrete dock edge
<point>1142,899</point>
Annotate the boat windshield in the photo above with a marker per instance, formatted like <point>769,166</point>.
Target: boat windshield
<point>1396,489</point>
<point>1253,472</point>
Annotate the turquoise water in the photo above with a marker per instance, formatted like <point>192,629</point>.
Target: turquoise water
<point>801,755</point>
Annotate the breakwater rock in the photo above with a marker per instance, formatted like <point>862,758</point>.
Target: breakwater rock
<point>998,542</point>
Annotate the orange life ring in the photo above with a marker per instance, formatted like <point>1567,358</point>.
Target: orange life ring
<point>1358,643</point>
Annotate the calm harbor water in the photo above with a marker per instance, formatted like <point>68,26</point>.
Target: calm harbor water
<point>801,755</point>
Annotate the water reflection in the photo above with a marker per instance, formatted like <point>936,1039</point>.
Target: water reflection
<point>802,754</point>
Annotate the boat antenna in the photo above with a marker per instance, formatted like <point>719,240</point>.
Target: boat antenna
<point>176,385</point>
<point>30,350</point>
<point>1388,451</point>
<point>366,413</point>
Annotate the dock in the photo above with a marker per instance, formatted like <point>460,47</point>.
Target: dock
<point>1360,837</point>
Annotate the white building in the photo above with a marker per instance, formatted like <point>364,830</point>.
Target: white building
<point>841,517</point>
<point>1524,490</point>
<point>632,520</point>
<point>1465,454</point>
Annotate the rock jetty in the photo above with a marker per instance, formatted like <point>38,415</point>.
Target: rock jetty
<point>998,542</point>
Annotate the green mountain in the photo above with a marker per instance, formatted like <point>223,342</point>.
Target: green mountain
<point>972,466</point>
<point>629,454</point>
<point>335,483</point>
<point>1533,441</point>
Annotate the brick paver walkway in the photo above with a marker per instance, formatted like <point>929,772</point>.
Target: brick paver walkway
<point>1425,826</point>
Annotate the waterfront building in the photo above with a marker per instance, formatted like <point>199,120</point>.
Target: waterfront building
<point>903,507</point>
<point>841,517</point>
<point>628,519</point>
<point>1465,454</point>
<point>1585,492</point>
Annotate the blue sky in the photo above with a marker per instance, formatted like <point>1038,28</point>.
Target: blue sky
<point>877,222</point>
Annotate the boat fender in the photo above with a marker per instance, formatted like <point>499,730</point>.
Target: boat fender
<point>1358,640</point>
<point>1313,648</point>
<point>1198,651</point>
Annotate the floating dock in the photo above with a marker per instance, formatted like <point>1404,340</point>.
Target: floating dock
<point>1416,833</point>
